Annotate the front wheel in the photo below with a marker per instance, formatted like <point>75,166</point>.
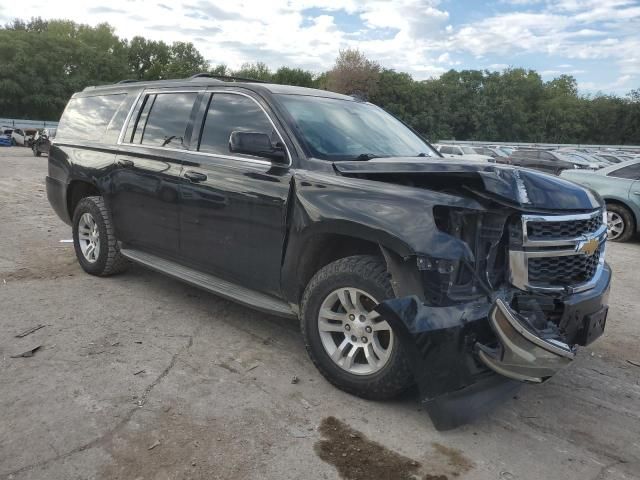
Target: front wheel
<point>351,344</point>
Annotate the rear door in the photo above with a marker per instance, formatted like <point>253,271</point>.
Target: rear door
<point>234,205</point>
<point>144,198</point>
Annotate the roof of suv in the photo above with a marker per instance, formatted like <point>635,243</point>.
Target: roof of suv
<point>273,88</point>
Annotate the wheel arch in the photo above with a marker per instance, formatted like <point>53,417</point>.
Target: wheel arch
<point>308,253</point>
<point>76,191</point>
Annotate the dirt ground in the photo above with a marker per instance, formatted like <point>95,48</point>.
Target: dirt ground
<point>141,377</point>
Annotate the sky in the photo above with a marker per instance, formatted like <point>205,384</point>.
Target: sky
<point>596,41</point>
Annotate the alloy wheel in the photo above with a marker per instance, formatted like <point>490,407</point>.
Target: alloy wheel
<point>354,336</point>
<point>615,225</point>
<point>89,237</point>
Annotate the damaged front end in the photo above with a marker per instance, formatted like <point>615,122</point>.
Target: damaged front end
<point>529,289</point>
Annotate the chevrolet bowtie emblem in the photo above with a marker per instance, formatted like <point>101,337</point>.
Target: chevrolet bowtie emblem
<point>588,247</point>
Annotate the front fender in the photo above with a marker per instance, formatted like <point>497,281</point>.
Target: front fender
<point>397,216</point>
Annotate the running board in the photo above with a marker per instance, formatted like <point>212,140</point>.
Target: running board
<point>231,291</point>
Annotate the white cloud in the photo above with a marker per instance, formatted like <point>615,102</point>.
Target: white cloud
<point>417,36</point>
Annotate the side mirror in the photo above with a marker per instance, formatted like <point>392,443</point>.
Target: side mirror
<point>258,144</point>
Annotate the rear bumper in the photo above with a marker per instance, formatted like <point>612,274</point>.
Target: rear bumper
<point>57,196</point>
<point>468,357</point>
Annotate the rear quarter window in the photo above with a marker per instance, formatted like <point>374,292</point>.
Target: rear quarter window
<point>86,118</point>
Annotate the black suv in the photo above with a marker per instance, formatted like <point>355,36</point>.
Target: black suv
<point>403,267</point>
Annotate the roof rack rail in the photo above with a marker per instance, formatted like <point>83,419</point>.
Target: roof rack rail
<point>128,80</point>
<point>225,78</point>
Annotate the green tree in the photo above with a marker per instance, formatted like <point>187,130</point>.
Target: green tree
<point>293,76</point>
<point>147,58</point>
<point>256,71</point>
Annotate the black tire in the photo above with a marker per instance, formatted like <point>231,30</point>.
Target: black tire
<point>368,273</point>
<point>629,222</point>
<point>110,261</point>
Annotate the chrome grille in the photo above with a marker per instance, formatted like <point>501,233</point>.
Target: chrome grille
<point>565,270</point>
<point>558,252</point>
<point>564,229</point>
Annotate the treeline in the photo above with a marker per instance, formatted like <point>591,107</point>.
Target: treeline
<point>43,62</point>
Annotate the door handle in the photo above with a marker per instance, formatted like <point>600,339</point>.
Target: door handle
<point>636,193</point>
<point>124,162</point>
<point>195,176</point>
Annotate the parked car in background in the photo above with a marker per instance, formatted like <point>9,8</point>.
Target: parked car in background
<point>619,186</point>
<point>5,136</point>
<point>21,137</point>
<point>593,161</point>
<point>489,152</point>
<point>462,153</point>
<point>502,150</point>
<point>545,160</point>
<point>42,142</point>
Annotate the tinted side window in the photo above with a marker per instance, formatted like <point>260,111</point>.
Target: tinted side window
<point>167,117</point>
<point>229,112</point>
<point>631,172</point>
<point>446,150</point>
<point>86,118</point>
<point>113,130</point>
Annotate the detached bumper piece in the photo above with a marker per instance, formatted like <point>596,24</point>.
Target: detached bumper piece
<point>522,354</point>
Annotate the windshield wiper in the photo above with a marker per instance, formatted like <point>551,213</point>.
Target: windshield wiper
<point>366,156</point>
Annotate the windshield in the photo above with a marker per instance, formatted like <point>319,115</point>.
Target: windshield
<point>335,129</point>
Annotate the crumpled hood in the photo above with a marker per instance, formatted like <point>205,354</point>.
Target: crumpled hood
<point>524,188</point>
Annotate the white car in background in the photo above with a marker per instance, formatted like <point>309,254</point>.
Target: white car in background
<point>462,152</point>
<point>22,137</point>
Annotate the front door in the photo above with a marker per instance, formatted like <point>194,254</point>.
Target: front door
<point>144,197</point>
<point>233,205</point>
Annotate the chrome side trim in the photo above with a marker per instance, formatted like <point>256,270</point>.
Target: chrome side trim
<point>126,120</point>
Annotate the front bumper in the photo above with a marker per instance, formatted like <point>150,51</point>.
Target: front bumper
<point>467,357</point>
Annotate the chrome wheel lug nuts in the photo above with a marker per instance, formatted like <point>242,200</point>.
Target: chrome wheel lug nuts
<point>352,317</point>
<point>347,327</point>
<point>362,318</point>
<point>368,329</point>
<point>354,338</point>
<point>364,339</point>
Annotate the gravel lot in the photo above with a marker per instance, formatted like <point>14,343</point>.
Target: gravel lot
<point>141,377</point>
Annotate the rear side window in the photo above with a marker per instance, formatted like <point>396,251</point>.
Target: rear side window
<point>230,112</point>
<point>86,118</point>
<point>163,120</point>
<point>631,172</point>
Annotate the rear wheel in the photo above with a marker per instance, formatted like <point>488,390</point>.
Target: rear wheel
<point>351,345</point>
<point>620,223</point>
<point>94,240</point>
